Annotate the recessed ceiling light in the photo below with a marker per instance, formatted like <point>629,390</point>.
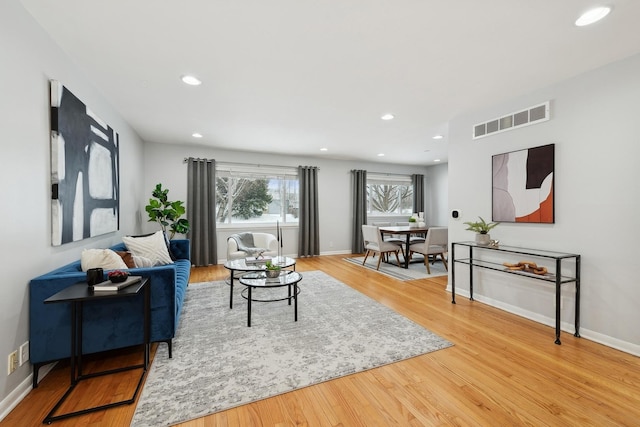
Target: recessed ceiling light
<point>593,15</point>
<point>190,80</point>
<point>324,149</point>
<point>387,117</point>
<point>438,137</point>
<point>380,154</point>
<point>196,135</point>
<point>436,160</point>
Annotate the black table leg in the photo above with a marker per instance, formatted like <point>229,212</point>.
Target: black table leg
<point>249,307</point>
<point>453,273</point>
<point>295,301</point>
<point>74,340</point>
<point>558,299</point>
<point>577,317</point>
<point>406,252</point>
<point>231,288</point>
<point>471,273</point>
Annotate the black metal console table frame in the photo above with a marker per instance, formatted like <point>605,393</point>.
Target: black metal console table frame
<point>77,295</point>
<point>555,278</point>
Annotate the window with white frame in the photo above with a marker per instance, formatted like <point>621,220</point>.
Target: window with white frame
<point>389,195</point>
<point>256,194</point>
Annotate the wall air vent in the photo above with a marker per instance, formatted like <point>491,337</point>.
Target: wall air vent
<point>532,115</point>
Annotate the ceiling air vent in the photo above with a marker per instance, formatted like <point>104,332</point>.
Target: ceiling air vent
<point>530,116</point>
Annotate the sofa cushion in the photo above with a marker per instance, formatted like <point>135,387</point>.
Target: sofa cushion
<point>101,258</point>
<point>152,247</point>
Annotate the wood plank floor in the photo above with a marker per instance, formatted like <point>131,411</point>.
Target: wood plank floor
<point>502,371</point>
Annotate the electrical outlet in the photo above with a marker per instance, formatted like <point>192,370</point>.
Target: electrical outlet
<point>12,363</point>
<point>23,354</point>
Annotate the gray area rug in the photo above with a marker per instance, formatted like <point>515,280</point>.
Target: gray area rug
<point>416,270</point>
<point>219,363</point>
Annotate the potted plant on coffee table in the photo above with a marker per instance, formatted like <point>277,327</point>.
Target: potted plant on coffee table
<point>481,228</point>
<point>272,270</point>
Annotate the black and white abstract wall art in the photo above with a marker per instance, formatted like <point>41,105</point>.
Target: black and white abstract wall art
<point>84,170</point>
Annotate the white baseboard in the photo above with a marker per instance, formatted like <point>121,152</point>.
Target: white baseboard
<point>612,342</point>
<point>342,252</point>
<point>15,397</point>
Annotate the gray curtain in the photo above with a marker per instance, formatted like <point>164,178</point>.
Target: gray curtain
<point>418,192</point>
<point>359,202</point>
<point>201,211</point>
<point>309,235</point>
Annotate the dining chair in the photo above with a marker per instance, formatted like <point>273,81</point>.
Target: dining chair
<point>392,238</point>
<point>373,243</point>
<point>436,243</point>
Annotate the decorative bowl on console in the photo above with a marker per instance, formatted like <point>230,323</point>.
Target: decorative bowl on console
<point>117,276</point>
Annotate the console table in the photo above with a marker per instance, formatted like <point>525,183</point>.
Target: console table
<point>553,277</point>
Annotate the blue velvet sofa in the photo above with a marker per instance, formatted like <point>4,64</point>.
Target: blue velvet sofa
<point>107,324</point>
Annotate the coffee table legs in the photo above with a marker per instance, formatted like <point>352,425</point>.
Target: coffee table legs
<point>231,290</point>
<point>294,297</point>
<point>295,300</point>
<point>249,307</point>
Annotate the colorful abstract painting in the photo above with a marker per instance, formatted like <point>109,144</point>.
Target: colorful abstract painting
<point>523,185</point>
<point>84,170</point>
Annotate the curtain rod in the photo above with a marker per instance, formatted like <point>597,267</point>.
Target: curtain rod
<point>186,159</point>
<point>389,173</point>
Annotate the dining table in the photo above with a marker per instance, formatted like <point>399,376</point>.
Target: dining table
<point>405,230</point>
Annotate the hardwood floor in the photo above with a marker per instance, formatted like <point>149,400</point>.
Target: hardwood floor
<point>502,371</point>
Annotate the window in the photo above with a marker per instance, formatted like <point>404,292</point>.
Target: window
<point>247,194</point>
<point>389,195</point>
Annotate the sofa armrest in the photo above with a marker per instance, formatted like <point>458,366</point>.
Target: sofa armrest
<point>180,248</point>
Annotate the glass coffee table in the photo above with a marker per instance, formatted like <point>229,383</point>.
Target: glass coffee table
<point>241,265</point>
<point>257,280</point>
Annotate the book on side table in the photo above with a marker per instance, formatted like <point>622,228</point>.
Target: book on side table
<point>108,285</point>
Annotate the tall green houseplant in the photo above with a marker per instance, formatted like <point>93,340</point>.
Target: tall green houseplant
<point>167,213</point>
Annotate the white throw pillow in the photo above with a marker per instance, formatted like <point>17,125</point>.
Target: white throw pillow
<point>101,258</point>
<point>141,261</point>
<point>152,247</point>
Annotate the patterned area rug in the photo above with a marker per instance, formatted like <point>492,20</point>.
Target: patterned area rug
<point>219,363</point>
<point>416,269</point>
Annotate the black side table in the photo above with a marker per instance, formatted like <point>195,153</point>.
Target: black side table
<point>77,295</point>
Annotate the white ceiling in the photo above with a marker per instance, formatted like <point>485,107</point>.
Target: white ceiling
<point>293,76</point>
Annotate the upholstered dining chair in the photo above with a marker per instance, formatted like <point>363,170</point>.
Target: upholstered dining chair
<point>373,243</point>
<point>391,238</point>
<point>435,243</point>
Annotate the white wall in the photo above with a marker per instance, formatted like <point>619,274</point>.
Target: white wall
<point>29,60</point>
<point>595,129</point>
<point>164,164</point>
<point>437,200</point>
